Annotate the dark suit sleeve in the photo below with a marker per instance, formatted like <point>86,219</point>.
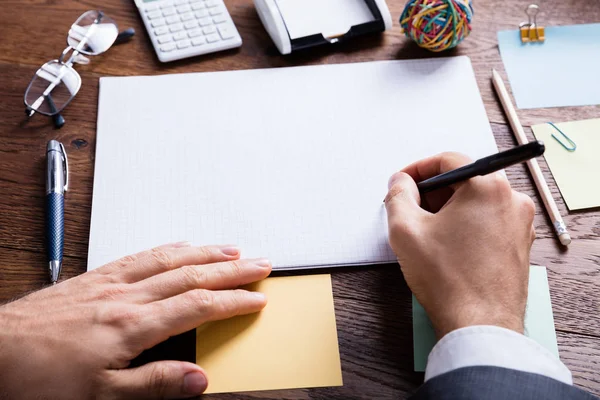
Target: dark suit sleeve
<point>495,383</point>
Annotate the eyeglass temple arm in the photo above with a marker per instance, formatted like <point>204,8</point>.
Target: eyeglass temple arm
<point>57,118</point>
<point>125,35</point>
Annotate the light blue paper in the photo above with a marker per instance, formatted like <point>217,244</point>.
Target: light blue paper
<point>539,320</point>
<point>564,70</point>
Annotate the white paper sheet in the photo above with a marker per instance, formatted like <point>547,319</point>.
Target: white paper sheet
<point>288,163</point>
<point>329,17</point>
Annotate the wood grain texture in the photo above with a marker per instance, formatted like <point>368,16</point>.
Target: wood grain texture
<point>372,303</point>
<point>581,354</point>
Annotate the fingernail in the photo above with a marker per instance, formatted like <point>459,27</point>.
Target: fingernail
<point>182,244</point>
<point>392,180</point>
<point>259,296</point>
<point>231,251</point>
<point>263,263</point>
<point>194,383</point>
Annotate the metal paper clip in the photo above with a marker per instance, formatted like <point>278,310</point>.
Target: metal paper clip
<point>572,145</point>
<point>530,31</point>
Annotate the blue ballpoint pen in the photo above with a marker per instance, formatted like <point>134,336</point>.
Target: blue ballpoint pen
<point>57,182</point>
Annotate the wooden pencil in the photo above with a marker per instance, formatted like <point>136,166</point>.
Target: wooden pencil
<point>534,168</point>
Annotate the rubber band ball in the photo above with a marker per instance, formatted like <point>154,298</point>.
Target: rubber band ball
<point>437,25</point>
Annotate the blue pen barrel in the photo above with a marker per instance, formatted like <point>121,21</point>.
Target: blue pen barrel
<point>55,225</point>
<point>57,182</point>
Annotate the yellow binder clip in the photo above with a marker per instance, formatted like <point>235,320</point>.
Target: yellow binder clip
<point>530,31</point>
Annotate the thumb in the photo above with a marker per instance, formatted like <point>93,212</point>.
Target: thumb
<point>159,380</point>
<point>403,199</point>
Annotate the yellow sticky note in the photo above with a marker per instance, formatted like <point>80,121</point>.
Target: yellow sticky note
<point>291,343</point>
<point>576,173</point>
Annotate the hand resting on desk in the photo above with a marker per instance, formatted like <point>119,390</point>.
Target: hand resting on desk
<point>75,339</point>
<point>464,250</point>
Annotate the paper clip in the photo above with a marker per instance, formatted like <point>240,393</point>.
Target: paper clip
<point>572,145</point>
<point>530,31</point>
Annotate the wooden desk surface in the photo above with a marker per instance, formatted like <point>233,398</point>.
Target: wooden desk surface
<point>373,303</point>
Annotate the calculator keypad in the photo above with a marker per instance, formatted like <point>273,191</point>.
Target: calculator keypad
<point>177,25</point>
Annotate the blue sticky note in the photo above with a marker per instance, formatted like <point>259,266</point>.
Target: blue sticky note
<point>564,70</point>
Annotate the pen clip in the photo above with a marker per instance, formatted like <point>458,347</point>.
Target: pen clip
<point>66,166</point>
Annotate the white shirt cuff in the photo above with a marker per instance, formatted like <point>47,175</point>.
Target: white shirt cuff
<point>493,346</point>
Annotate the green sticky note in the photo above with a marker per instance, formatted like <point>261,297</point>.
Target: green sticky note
<point>539,321</point>
<point>423,335</point>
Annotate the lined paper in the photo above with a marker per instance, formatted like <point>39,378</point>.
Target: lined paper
<point>288,163</point>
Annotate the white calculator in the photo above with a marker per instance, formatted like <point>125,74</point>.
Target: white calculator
<point>186,28</point>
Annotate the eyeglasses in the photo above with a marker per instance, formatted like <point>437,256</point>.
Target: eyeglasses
<point>56,83</point>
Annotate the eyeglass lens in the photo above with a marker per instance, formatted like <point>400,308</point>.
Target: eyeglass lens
<point>52,87</point>
<point>96,30</point>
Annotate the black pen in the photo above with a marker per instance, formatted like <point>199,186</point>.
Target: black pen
<point>484,166</point>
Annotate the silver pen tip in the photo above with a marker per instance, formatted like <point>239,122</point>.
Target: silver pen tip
<point>54,269</point>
